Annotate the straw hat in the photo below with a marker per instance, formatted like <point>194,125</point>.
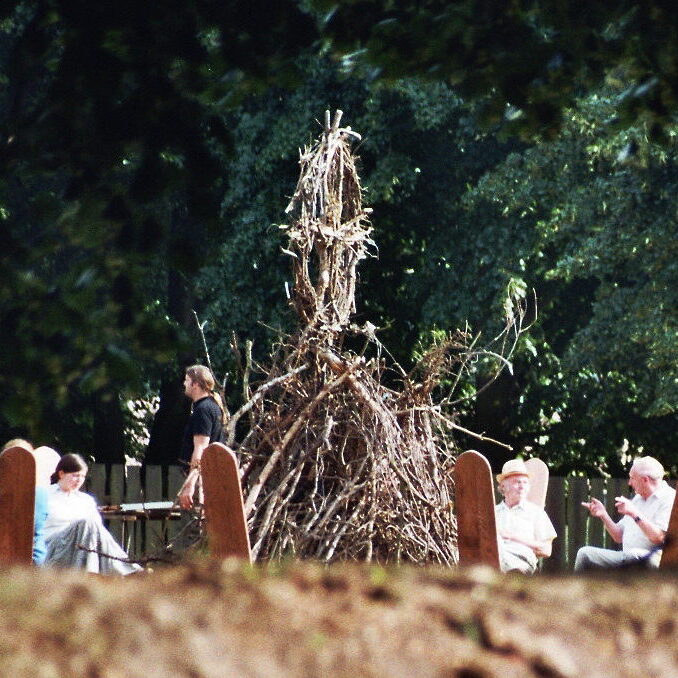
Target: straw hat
<point>513,467</point>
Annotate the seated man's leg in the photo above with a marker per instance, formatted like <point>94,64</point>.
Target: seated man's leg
<point>591,557</point>
<point>512,561</point>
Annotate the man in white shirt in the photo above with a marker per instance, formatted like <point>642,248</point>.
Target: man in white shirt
<point>644,522</point>
<point>524,529</point>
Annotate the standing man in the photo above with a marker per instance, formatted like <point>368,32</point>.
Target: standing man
<point>643,524</point>
<point>205,426</point>
<point>524,529</point>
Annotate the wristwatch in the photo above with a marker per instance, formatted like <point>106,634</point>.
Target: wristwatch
<point>637,519</point>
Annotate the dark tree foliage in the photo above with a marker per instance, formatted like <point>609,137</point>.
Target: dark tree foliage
<point>535,57</point>
<point>109,119</point>
<point>588,221</point>
<point>147,150</point>
<point>419,151</point>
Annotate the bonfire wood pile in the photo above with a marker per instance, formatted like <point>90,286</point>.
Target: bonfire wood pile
<point>336,464</point>
<point>346,457</point>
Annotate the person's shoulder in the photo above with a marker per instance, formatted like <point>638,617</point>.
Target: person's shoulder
<point>665,490</point>
<point>532,507</point>
<point>209,405</point>
<point>206,403</point>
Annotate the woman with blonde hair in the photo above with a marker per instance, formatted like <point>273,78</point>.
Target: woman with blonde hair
<point>205,426</point>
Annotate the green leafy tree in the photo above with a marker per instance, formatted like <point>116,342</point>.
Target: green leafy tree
<point>419,149</point>
<point>110,125</point>
<point>534,59</point>
<point>587,220</point>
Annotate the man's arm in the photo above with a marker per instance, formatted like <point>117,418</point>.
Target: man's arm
<point>544,548</point>
<point>541,547</point>
<point>200,443</point>
<point>626,507</point>
<point>598,510</point>
<point>187,490</point>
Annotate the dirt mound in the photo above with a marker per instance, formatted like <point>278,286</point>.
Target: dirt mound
<point>209,621</point>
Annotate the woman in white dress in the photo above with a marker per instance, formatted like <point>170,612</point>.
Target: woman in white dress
<point>74,532</point>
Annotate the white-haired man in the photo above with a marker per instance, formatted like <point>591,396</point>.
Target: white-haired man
<point>642,527</point>
<point>524,529</point>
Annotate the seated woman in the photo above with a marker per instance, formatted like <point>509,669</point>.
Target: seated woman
<point>73,521</point>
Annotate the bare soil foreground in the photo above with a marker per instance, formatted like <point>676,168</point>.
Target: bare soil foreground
<point>209,621</point>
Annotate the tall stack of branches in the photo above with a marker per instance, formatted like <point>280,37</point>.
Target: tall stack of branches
<point>336,463</point>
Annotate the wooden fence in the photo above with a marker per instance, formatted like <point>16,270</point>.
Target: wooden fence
<point>117,484</point>
<point>113,484</point>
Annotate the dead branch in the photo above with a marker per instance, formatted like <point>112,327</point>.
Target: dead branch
<point>168,558</point>
<point>230,429</point>
<point>289,435</point>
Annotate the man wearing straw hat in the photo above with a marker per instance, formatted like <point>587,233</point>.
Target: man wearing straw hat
<point>642,527</point>
<point>525,531</point>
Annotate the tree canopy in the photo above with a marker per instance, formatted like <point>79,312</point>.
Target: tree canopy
<point>148,152</point>
<point>534,58</point>
<point>588,221</point>
<point>110,119</point>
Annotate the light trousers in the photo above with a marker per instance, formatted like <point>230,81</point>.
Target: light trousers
<point>593,556</point>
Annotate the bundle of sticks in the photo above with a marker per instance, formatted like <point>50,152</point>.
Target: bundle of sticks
<point>345,455</point>
<point>338,464</point>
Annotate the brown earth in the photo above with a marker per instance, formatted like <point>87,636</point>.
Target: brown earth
<point>209,621</point>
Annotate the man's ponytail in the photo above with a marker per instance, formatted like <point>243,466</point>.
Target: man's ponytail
<point>205,379</point>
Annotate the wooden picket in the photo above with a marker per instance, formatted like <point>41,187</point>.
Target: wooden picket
<point>577,515</point>
<point>116,484</point>
<point>596,533</point>
<point>17,502</point>
<point>556,508</point>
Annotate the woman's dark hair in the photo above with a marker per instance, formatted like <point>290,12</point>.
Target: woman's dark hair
<point>69,463</point>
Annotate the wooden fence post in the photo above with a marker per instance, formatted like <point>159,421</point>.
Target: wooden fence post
<point>224,511</point>
<point>556,508</point>
<point>17,506</point>
<point>596,532</point>
<point>474,502</point>
<point>577,516</point>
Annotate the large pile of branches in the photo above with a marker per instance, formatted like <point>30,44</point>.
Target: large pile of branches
<point>336,464</point>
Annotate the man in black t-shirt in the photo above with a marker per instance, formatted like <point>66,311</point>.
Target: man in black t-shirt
<point>205,420</point>
<point>205,426</point>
